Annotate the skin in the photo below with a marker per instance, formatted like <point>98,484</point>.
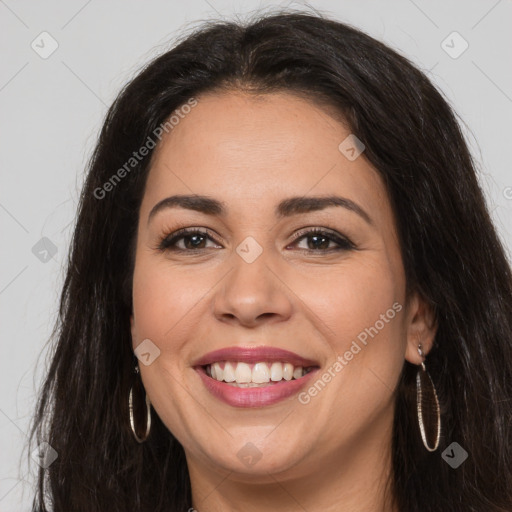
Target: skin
<point>251,152</point>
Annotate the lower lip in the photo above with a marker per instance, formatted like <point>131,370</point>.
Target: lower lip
<point>254,397</point>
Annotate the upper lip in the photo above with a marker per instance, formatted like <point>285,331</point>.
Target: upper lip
<point>253,355</point>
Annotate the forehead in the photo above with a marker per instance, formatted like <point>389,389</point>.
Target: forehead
<point>249,149</point>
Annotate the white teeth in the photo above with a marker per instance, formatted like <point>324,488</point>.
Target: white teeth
<point>217,371</point>
<point>297,373</point>
<point>243,373</point>
<point>229,373</point>
<point>261,373</point>
<point>276,372</point>
<point>287,371</point>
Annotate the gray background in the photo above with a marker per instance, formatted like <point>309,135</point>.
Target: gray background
<point>52,109</point>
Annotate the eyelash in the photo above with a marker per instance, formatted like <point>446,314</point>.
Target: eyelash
<point>167,242</point>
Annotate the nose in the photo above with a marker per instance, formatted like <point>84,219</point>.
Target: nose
<point>252,294</point>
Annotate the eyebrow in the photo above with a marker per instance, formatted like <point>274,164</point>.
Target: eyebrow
<point>286,208</point>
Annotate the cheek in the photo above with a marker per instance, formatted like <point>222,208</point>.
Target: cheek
<point>166,311</point>
<point>164,301</point>
<point>351,301</point>
<point>364,313</point>
<point>359,311</point>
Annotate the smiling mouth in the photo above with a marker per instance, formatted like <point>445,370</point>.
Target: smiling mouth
<point>261,374</point>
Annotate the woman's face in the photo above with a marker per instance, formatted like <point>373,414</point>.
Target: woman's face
<point>334,299</point>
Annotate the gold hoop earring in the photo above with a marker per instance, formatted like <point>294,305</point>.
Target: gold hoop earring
<point>148,415</point>
<point>426,398</point>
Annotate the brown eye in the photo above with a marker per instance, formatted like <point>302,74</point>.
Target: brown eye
<point>320,241</point>
<point>193,239</point>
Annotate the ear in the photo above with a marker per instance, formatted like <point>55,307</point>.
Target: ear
<point>421,328</point>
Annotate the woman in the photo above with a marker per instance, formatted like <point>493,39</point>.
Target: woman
<point>284,291</point>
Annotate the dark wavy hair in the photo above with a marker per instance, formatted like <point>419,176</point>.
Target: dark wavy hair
<point>451,252</point>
